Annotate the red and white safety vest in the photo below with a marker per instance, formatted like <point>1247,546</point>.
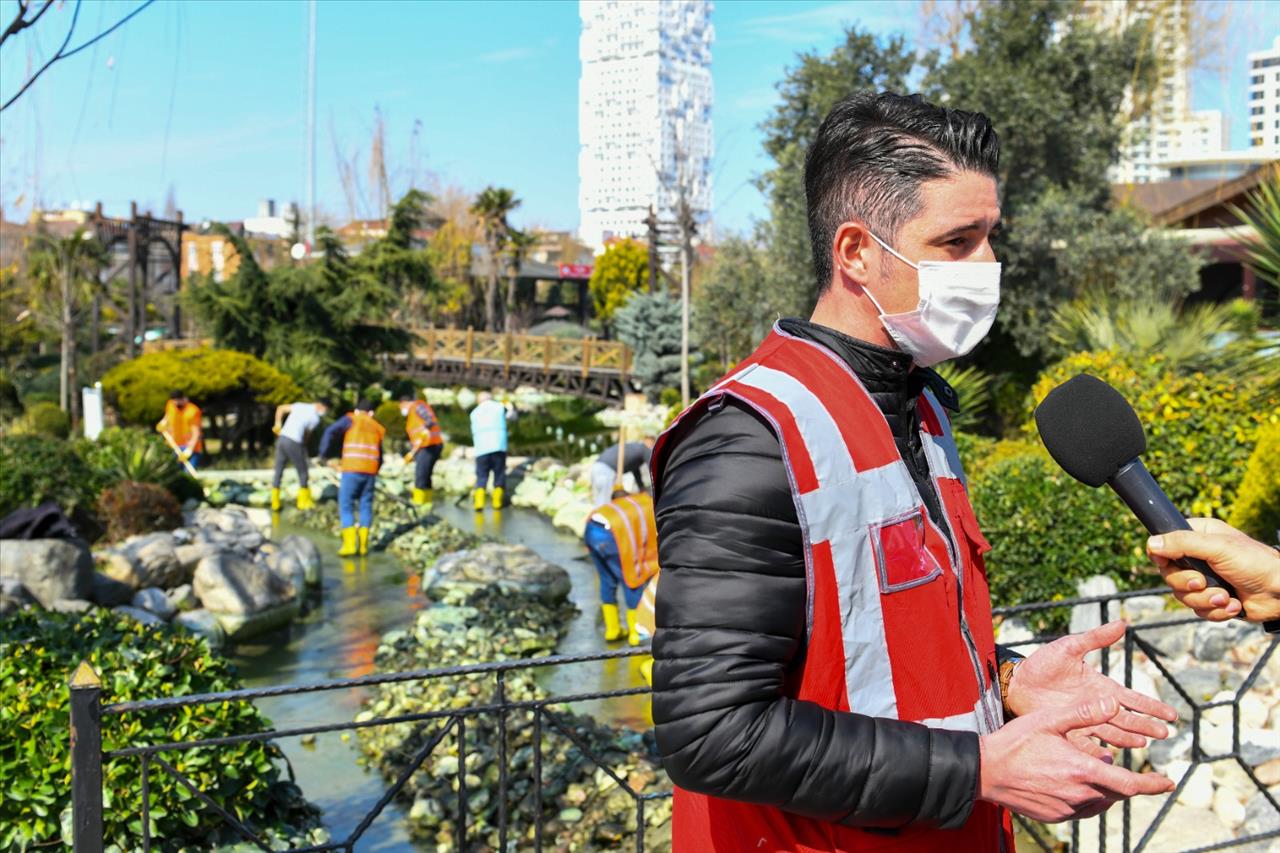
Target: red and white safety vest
<point>362,444</point>
<point>899,614</point>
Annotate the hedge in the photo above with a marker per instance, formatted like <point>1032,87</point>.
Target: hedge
<point>1257,506</point>
<point>35,469</point>
<point>139,388</point>
<point>38,653</point>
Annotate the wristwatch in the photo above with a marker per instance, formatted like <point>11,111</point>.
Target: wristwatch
<point>1272,626</point>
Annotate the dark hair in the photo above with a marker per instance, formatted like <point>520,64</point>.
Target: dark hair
<point>177,394</point>
<point>406,397</point>
<point>872,153</point>
<point>323,401</point>
<point>363,405</point>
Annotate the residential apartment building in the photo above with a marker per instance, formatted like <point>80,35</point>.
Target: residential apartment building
<point>1264,99</point>
<point>644,114</point>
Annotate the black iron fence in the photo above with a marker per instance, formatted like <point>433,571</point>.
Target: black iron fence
<point>89,715</point>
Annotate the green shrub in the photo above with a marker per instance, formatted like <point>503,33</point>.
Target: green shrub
<point>48,420</point>
<point>1257,507</point>
<point>141,455</point>
<point>1048,531</point>
<point>10,404</point>
<point>388,414</point>
<point>140,387</point>
<point>129,507</point>
<point>1201,427</point>
<point>38,653</point>
<point>35,469</point>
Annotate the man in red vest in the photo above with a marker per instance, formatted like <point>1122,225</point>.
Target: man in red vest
<point>425,444</point>
<point>826,676</point>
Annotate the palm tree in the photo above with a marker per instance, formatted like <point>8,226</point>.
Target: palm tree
<point>492,207</point>
<point>63,278</point>
<point>1262,213</point>
<point>517,246</point>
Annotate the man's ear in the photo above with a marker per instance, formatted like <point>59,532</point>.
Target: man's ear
<point>851,252</point>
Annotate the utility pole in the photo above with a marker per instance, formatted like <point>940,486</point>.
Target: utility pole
<point>651,224</point>
<point>311,125</point>
<point>687,230</point>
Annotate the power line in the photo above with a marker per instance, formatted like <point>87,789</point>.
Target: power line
<point>63,53</point>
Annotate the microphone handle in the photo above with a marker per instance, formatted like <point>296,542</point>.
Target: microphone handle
<point>1137,488</point>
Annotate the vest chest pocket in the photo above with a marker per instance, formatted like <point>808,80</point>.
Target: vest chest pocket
<point>902,559</point>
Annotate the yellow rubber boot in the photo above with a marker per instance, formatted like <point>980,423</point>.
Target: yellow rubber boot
<point>348,548</point>
<point>275,500</point>
<point>612,630</point>
<point>305,501</point>
<point>497,497</point>
<point>646,671</point>
<point>420,497</point>
<point>477,498</point>
<point>633,629</point>
<point>363,533</point>
<point>428,497</point>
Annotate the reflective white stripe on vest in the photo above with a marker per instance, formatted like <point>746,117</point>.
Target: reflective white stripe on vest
<point>940,450</point>
<point>839,512</point>
<point>975,720</point>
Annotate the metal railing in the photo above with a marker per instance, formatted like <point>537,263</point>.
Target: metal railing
<point>436,725</point>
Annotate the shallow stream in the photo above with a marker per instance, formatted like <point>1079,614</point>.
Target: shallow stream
<point>363,599</point>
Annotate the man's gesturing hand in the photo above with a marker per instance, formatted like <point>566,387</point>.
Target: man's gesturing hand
<point>1031,767</point>
<point>1056,676</point>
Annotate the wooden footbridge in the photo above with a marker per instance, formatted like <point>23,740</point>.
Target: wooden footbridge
<point>587,367</point>
<point>590,368</point>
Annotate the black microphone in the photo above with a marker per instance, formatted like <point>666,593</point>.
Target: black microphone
<point>1090,429</point>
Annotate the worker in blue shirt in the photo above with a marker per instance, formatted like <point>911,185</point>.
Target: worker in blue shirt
<point>489,440</point>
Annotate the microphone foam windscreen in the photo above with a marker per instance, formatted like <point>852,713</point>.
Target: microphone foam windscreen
<point>1089,429</point>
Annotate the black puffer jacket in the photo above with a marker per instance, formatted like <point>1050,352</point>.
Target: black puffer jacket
<point>731,624</point>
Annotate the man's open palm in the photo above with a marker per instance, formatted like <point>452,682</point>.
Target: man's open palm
<point>1057,676</point>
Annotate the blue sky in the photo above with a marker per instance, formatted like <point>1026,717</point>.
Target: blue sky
<point>208,98</point>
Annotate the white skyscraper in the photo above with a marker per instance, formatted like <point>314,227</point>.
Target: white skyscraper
<point>644,114</point>
<point>1264,98</point>
<point>1169,129</point>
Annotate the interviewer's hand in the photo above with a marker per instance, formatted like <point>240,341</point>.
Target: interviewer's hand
<point>1250,566</point>
<point>1038,766</point>
<point>1057,676</point>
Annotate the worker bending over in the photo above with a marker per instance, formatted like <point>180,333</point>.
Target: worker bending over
<point>361,442</point>
<point>181,427</point>
<point>604,471</point>
<point>489,439</point>
<point>622,538</point>
<point>425,445</point>
<point>294,422</point>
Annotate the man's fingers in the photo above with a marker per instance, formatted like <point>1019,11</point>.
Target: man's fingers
<point>1088,746</point>
<point>1086,715</point>
<point>1148,705</point>
<point>1211,525</point>
<point>1117,737</point>
<point>1210,547</point>
<point>1125,783</point>
<point>1179,579</point>
<point>1096,638</point>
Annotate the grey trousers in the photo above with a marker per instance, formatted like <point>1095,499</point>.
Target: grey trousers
<point>289,451</point>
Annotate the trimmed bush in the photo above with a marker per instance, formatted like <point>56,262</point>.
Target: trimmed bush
<point>130,507</point>
<point>1257,507</point>
<point>35,469</point>
<point>1048,531</point>
<point>1201,427</point>
<point>140,387</point>
<point>48,420</point>
<point>38,653</point>
<point>388,414</point>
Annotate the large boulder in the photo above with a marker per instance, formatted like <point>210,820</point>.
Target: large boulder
<point>49,569</point>
<point>308,553</point>
<point>246,597</point>
<point>144,561</point>
<point>154,601</point>
<point>203,623</point>
<point>511,568</point>
<point>146,617</point>
<point>108,592</point>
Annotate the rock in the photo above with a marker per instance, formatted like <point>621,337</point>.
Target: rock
<point>571,815</point>
<point>71,605</point>
<point>49,569</point>
<point>1228,809</point>
<point>1260,816</point>
<point>154,601</point>
<point>190,555</point>
<point>1221,716</point>
<point>1143,608</point>
<point>1176,747</point>
<point>183,598</point>
<point>1268,772</point>
<point>308,553</point>
<point>1171,641</point>
<point>146,617</point>
<point>204,624</point>
<point>229,583</point>
<point>572,517</point>
<point>108,592</point>
<point>512,568</point>
<point>1085,617</point>
<point>1258,746</point>
<point>1012,631</point>
<point>1228,776</point>
<point>1198,790</point>
<point>1201,683</point>
<point>1214,639</point>
<point>1185,828</point>
<point>285,564</point>
<point>147,560</point>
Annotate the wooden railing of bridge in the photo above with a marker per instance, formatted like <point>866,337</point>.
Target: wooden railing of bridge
<point>583,367</point>
<point>587,367</point>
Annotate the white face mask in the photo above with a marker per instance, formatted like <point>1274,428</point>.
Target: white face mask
<point>958,302</point>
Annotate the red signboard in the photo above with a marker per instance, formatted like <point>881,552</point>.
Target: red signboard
<point>576,270</point>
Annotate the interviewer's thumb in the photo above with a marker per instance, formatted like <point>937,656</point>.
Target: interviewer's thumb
<point>1184,543</point>
<point>1084,715</point>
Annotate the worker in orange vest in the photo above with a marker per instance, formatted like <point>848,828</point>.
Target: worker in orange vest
<point>360,439</point>
<point>425,445</point>
<point>181,425</point>
<point>622,538</point>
